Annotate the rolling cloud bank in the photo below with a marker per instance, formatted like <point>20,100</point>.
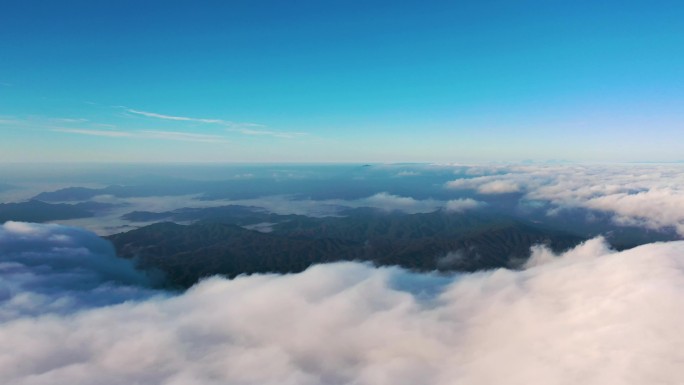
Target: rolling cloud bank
<point>71,312</point>
<point>651,196</point>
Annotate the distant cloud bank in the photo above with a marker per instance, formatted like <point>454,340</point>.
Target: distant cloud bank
<point>651,196</point>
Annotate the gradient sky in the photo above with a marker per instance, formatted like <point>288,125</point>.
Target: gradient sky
<point>341,81</point>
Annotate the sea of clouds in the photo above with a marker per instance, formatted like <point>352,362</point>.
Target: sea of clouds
<point>73,313</point>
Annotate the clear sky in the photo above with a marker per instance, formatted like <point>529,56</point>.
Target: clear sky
<point>341,81</point>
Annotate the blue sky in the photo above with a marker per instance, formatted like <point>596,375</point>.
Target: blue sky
<point>341,81</point>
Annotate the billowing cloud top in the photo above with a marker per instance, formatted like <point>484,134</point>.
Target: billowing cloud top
<point>592,316</point>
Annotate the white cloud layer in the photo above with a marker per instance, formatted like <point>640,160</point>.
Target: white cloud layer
<point>591,316</point>
<point>642,195</point>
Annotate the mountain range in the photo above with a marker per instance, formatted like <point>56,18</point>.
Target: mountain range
<point>434,241</point>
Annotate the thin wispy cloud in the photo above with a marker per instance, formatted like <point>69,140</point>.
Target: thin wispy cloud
<point>183,136</point>
<point>87,127</point>
<point>147,134</point>
<point>248,131</point>
<point>107,133</point>
<point>181,118</point>
<point>244,128</point>
<point>10,122</point>
<point>42,121</point>
<point>70,120</point>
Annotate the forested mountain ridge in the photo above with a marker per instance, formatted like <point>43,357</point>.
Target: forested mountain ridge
<point>433,241</point>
